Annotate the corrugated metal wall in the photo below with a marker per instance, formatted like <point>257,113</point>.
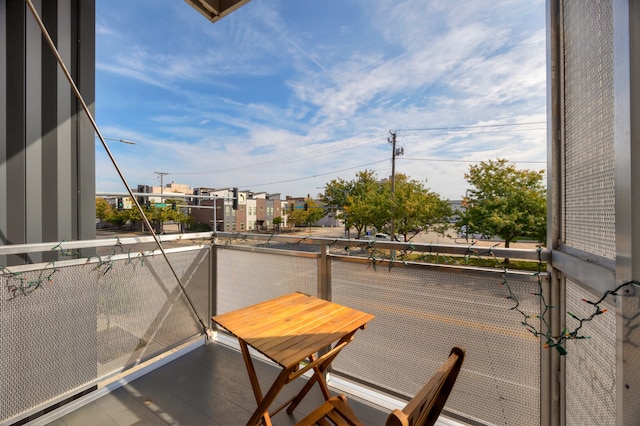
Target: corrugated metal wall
<point>47,147</point>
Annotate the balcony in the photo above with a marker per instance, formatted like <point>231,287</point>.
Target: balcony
<point>84,325</point>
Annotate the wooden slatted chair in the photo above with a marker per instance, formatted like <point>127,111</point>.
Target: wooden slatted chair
<point>422,410</point>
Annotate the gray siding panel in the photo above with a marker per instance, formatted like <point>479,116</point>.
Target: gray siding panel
<point>86,134</point>
<point>64,131</point>
<point>33,129</point>
<point>47,148</point>
<point>49,125</point>
<point>15,129</point>
<point>3,128</point>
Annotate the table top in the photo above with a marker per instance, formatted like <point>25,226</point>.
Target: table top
<point>289,328</point>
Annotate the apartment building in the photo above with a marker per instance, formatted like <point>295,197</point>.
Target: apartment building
<point>253,211</point>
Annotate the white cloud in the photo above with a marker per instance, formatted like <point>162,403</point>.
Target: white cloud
<point>268,100</point>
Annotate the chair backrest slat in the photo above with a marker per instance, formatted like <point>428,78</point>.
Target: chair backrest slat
<point>423,410</point>
<point>426,406</point>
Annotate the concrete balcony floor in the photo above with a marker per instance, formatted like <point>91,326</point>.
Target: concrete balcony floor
<point>207,386</point>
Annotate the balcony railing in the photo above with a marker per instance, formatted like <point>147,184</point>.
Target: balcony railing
<point>70,324</point>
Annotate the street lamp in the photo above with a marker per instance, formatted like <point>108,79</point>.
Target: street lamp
<point>119,140</point>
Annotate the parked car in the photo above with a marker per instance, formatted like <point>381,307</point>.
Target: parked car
<point>382,237</point>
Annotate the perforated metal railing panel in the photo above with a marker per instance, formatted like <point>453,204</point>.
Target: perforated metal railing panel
<point>421,313</point>
<point>245,278</point>
<point>91,320</point>
<point>48,338</point>
<point>588,188</point>
<point>590,363</point>
<point>142,310</point>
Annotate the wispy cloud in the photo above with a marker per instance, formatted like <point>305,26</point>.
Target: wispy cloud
<point>281,91</point>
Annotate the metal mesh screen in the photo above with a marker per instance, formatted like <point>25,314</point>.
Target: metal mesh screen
<point>89,320</point>
<point>421,313</point>
<point>245,278</point>
<point>48,343</point>
<point>590,363</point>
<point>142,311</point>
<point>589,219</point>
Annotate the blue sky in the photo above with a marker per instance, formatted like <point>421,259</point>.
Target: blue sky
<point>283,96</point>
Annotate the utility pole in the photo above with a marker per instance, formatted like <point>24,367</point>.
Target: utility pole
<point>394,152</point>
<point>162,174</point>
<point>215,218</point>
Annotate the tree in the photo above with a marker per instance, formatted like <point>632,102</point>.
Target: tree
<point>103,209</point>
<point>310,214</point>
<point>416,209</point>
<point>277,222</point>
<point>412,207</point>
<point>353,198</point>
<point>505,202</point>
<point>155,215</point>
<point>336,198</point>
<point>118,217</point>
<point>315,212</point>
<point>367,202</point>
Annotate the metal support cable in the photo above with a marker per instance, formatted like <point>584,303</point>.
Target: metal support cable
<point>78,95</point>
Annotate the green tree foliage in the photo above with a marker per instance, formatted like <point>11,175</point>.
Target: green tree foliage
<point>277,222</point>
<point>315,212</point>
<point>351,200</point>
<point>505,202</point>
<point>307,216</point>
<point>367,202</point>
<point>103,209</point>
<point>118,218</point>
<point>297,217</point>
<point>416,209</point>
<point>155,215</point>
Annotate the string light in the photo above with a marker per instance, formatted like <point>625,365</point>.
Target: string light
<point>551,341</point>
<point>20,285</point>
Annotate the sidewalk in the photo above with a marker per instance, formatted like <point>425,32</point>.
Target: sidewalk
<point>426,238</point>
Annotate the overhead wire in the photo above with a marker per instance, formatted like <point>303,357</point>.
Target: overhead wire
<point>316,175</point>
<point>266,163</point>
<point>447,160</point>
<point>423,159</point>
<point>471,126</point>
<point>349,144</point>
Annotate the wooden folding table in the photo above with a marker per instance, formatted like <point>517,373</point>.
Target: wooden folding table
<point>290,330</point>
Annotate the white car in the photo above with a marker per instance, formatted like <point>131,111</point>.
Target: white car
<point>382,237</point>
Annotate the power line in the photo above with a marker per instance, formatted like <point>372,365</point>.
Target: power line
<point>266,163</point>
<point>378,162</point>
<point>446,160</point>
<point>487,126</point>
<point>355,142</point>
<point>317,175</point>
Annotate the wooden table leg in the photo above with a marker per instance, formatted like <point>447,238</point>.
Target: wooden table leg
<point>253,378</point>
<point>262,412</point>
<point>318,376</point>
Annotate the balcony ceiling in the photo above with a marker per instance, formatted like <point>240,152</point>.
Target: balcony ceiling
<point>214,10</point>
